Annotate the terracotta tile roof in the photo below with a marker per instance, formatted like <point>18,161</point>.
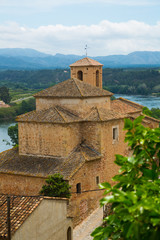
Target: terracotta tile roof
<point>125,106</point>
<point>3,105</point>
<point>73,88</point>
<point>86,62</point>
<point>57,114</point>
<point>146,119</point>
<point>60,114</point>
<point>102,114</point>
<point>13,163</point>
<point>151,118</point>
<point>20,209</point>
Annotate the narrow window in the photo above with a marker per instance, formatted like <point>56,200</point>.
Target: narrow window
<point>115,133</point>
<point>97,78</point>
<point>69,234</point>
<point>80,75</point>
<point>97,180</point>
<point>78,186</point>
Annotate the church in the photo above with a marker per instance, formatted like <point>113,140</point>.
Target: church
<point>76,130</point>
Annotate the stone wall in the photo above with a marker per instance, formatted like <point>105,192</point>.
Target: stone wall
<point>82,204</point>
<point>80,104</point>
<point>16,184</point>
<point>89,74</point>
<point>47,139</point>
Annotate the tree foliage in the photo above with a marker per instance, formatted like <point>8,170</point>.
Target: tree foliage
<point>13,134</point>
<point>56,186</point>
<point>4,94</point>
<point>17,109</point>
<point>132,81</point>
<point>135,197</point>
<point>153,112</point>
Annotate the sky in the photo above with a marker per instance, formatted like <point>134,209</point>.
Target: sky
<point>108,27</point>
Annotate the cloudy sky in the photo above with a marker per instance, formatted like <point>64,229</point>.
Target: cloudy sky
<point>65,26</point>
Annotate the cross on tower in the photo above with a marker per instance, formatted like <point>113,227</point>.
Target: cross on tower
<point>86,48</point>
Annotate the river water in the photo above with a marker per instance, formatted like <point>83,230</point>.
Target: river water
<point>148,101</point>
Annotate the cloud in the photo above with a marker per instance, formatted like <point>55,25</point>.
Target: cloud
<point>104,38</point>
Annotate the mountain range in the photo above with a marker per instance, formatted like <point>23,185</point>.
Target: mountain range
<point>29,59</point>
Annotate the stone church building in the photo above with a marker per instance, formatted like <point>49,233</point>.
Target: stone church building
<point>76,130</point>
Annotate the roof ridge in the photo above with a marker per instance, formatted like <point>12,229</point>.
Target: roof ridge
<point>61,115</point>
<point>89,112</point>
<point>68,111</point>
<point>99,114</point>
<point>131,102</point>
<point>77,86</point>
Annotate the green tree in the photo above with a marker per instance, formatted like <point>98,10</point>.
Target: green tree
<point>4,94</point>
<point>13,134</point>
<point>56,187</point>
<point>135,197</point>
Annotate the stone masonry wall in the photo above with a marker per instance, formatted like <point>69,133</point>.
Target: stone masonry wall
<point>89,74</point>
<point>20,185</point>
<point>79,104</point>
<point>48,139</point>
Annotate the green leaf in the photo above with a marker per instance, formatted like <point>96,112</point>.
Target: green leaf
<point>105,185</point>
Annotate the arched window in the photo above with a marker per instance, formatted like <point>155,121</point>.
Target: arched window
<point>69,234</point>
<point>78,187</point>
<point>80,75</point>
<point>97,78</point>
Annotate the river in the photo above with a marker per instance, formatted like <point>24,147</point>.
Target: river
<point>148,101</point>
<point>4,135</point>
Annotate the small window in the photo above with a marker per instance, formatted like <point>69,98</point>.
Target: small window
<point>97,180</point>
<point>78,186</point>
<point>97,78</point>
<point>80,75</point>
<point>115,133</point>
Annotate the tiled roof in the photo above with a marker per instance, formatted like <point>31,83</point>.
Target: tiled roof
<point>56,114</point>
<point>73,88</point>
<point>146,119</point>
<point>20,209</point>
<point>3,105</point>
<point>125,106</point>
<point>60,114</point>
<point>86,62</point>
<point>13,163</point>
<point>103,114</point>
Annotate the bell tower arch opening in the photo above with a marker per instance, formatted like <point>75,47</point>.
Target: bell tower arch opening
<point>80,75</point>
<point>97,78</point>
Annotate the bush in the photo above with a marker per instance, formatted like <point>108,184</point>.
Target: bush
<point>56,187</point>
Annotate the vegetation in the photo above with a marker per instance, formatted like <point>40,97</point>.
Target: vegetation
<point>124,81</point>
<point>132,81</point>
<point>29,80</point>
<point>56,187</point>
<point>13,134</point>
<point>17,109</point>
<point>154,112</point>
<point>4,94</point>
<point>135,197</point>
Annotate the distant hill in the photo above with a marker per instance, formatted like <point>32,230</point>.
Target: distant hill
<point>26,59</point>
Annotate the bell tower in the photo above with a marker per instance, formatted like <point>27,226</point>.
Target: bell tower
<point>88,71</point>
